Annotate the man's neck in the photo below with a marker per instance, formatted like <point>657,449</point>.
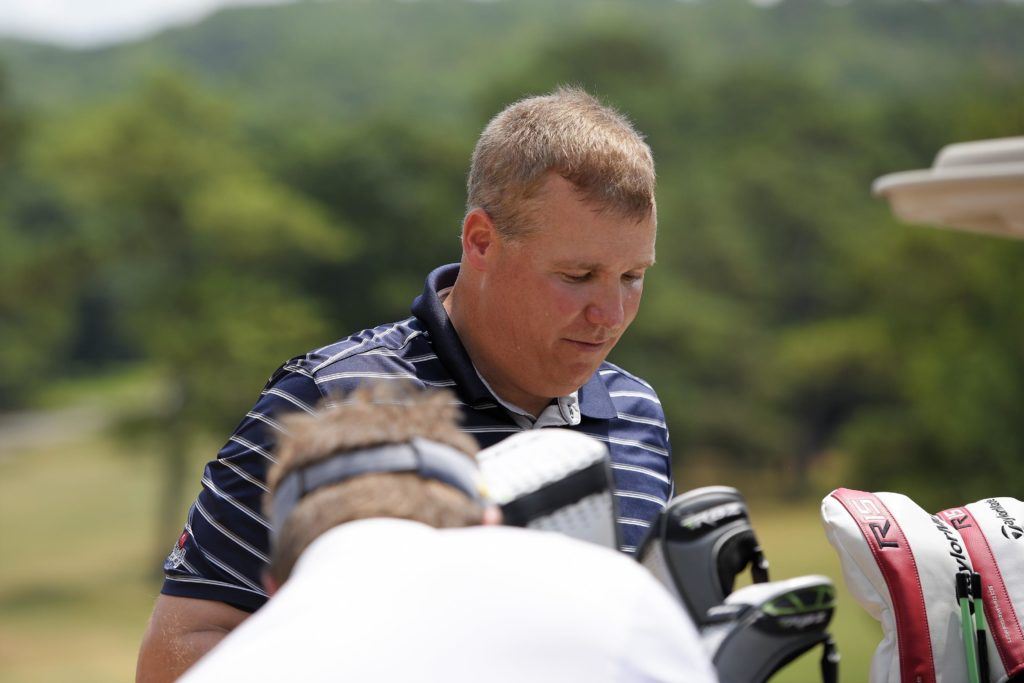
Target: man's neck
<point>460,312</point>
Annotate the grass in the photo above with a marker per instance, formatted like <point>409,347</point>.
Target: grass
<point>133,384</point>
<point>77,536</point>
<point>795,544</point>
<point>74,591</point>
<point>77,578</point>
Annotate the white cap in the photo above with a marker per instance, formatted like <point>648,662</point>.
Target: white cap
<point>975,186</point>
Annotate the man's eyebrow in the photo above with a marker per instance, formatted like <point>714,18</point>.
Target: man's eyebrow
<point>585,265</point>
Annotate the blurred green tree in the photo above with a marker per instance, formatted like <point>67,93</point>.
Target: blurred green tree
<point>790,316</point>
<point>39,269</point>
<point>401,188</point>
<point>198,250</point>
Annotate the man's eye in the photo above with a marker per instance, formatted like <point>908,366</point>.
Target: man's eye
<point>632,277</point>
<point>575,277</point>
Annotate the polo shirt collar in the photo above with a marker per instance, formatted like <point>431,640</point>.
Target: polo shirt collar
<point>447,345</point>
<point>594,401</point>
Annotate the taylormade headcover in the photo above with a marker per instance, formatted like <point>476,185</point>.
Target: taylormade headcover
<point>761,628</point>
<point>900,563</point>
<point>554,480</point>
<point>699,544</point>
<point>993,531</point>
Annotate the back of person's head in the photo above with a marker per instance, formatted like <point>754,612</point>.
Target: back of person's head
<point>567,132</point>
<point>369,417</point>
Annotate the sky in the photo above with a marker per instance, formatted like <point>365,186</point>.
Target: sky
<point>84,23</point>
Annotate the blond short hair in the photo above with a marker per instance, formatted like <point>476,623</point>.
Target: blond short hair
<point>370,416</point>
<point>567,132</point>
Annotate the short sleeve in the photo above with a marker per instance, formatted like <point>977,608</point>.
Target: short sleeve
<point>638,443</point>
<point>223,548</point>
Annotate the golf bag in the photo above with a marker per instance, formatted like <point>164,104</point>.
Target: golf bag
<point>699,544</point>
<point>947,588</point>
<point>554,480</point>
<point>761,628</point>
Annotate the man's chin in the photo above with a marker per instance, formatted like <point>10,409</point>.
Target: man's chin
<point>570,382</point>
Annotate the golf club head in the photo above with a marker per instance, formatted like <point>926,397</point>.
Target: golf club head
<point>699,544</point>
<point>554,480</point>
<point>761,628</point>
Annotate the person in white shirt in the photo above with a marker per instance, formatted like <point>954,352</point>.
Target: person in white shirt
<point>387,563</point>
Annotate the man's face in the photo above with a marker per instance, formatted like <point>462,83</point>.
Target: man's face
<point>557,300</point>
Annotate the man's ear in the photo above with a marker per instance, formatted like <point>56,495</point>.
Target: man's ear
<point>492,516</point>
<point>479,237</point>
<point>270,583</point>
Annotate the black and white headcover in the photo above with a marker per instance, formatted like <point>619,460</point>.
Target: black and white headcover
<point>759,629</point>
<point>554,480</point>
<point>699,544</point>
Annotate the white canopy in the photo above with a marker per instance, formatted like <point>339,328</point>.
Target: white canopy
<point>976,186</point>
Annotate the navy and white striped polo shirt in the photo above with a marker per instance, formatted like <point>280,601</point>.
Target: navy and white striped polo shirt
<point>221,554</point>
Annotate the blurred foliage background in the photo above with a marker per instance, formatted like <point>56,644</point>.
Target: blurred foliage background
<point>179,215</point>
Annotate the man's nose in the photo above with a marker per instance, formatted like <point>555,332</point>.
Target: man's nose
<point>606,308</point>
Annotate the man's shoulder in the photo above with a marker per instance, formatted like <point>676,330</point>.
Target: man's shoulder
<point>401,350</point>
<point>638,442</point>
<point>521,549</point>
<point>390,340</point>
<point>630,394</point>
<point>511,541</point>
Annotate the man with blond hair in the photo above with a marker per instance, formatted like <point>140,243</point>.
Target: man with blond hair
<point>380,571</point>
<point>558,233</point>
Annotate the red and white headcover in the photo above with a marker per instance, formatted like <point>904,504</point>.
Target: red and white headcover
<point>900,563</point>
<point>993,532</point>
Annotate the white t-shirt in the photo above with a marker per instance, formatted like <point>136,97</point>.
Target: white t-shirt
<point>393,600</point>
